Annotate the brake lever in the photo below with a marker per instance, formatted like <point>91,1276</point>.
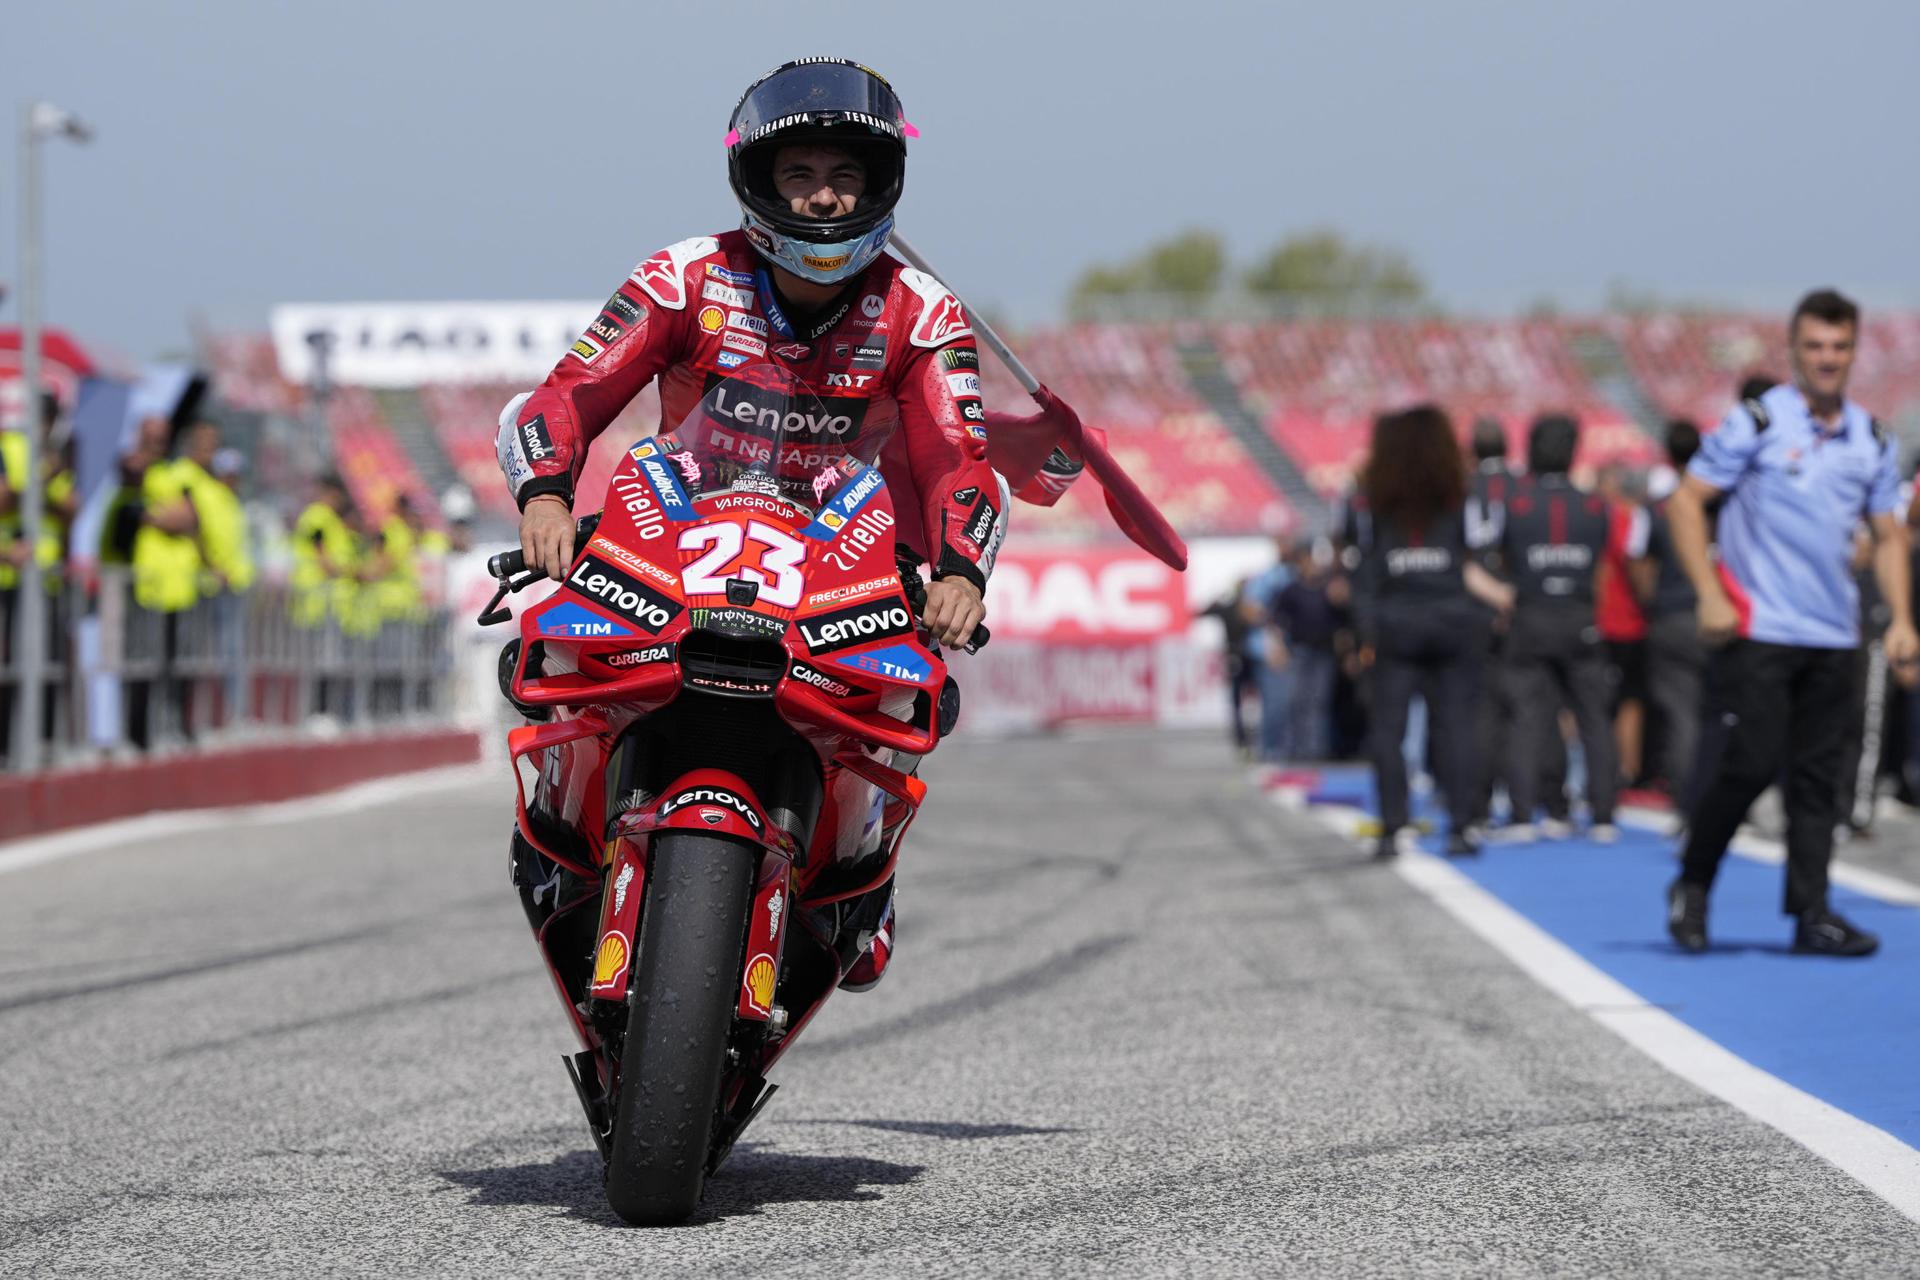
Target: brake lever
<point>494,614</point>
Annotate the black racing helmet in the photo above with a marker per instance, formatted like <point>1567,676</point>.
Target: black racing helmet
<point>830,102</point>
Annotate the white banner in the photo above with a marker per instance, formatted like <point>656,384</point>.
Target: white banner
<point>404,344</point>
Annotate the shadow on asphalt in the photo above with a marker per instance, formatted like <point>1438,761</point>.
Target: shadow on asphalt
<point>752,1178</point>
<point>1661,946</point>
<point>953,1130</point>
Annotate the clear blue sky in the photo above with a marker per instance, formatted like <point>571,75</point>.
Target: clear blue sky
<point>252,153</point>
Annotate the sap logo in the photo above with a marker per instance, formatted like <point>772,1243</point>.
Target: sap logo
<point>570,619</point>
<point>730,359</point>
<point>851,626</point>
<point>713,795</point>
<point>897,662</point>
<point>849,379</point>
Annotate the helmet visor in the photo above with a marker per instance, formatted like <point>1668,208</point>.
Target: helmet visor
<point>811,94</point>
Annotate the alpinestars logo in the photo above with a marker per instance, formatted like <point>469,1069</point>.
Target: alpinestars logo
<point>829,631</point>
<point>632,599</point>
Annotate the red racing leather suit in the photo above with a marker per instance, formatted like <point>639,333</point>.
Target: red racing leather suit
<point>894,349</point>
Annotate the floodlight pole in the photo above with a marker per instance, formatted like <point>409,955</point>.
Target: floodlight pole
<point>39,120</point>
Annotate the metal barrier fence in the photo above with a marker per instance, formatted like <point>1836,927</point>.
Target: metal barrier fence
<point>122,680</point>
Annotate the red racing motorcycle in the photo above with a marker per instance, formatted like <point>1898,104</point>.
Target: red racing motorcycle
<point>728,698</point>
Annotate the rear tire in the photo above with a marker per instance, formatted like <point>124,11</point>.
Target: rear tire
<point>686,982</point>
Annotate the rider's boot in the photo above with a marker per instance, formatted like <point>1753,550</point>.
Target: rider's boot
<point>875,941</point>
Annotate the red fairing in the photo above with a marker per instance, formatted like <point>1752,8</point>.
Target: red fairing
<point>895,349</point>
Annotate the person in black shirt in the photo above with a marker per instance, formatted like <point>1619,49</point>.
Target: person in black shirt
<point>1550,537</point>
<point>1309,620</point>
<point>1676,658</point>
<point>1414,603</point>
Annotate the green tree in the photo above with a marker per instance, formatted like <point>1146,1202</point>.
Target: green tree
<point>1189,265</point>
<point>1321,267</point>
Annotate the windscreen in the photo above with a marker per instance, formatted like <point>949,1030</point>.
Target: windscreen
<point>762,431</point>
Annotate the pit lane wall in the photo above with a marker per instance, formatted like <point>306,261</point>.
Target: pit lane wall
<point>258,773</point>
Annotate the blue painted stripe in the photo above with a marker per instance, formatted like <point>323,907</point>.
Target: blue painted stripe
<point>1845,1031</point>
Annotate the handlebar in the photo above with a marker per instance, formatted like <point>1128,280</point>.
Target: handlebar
<point>510,566</point>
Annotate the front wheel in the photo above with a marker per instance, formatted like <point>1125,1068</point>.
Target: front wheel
<point>685,986</point>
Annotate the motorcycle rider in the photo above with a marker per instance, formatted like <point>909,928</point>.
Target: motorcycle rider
<point>816,156</point>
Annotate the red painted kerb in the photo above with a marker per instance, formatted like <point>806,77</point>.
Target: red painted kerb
<point>254,774</point>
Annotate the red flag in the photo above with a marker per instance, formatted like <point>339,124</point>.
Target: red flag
<point>1018,446</point>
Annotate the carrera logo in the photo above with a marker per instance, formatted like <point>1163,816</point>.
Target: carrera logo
<point>825,683</point>
<point>639,657</point>
<point>715,796</point>
<point>534,438</point>
<point>628,597</point>
<point>826,632</point>
<point>745,343</point>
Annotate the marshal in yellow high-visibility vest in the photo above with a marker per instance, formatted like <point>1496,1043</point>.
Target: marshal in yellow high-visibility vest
<point>13,469</point>
<point>399,588</point>
<point>322,555</point>
<point>166,566</point>
<point>223,533</point>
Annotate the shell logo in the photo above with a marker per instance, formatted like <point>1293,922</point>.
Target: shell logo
<point>712,319</point>
<point>760,979</point>
<point>611,960</point>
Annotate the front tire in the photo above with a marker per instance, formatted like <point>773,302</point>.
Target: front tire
<point>685,984</point>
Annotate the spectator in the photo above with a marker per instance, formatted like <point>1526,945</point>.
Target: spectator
<point>228,557</point>
<point>1550,537</point>
<point>1622,623</point>
<point>1233,611</point>
<point>1269,655</point>
<point>1308,621</point>
<point>1413,600</point>
<point>1799,469</point>
<point>1675,656</point>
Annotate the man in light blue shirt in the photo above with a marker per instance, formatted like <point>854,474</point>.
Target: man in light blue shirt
<point>1800,468</point>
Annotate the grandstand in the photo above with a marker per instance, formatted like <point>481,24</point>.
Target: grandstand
<point>1308,387</point>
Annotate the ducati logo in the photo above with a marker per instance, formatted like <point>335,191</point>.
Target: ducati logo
<point>712,817</point>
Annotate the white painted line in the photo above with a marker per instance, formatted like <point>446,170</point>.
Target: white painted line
<point>1875,884</point>
<point>35,851</point>
<point>1871,1156</point>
